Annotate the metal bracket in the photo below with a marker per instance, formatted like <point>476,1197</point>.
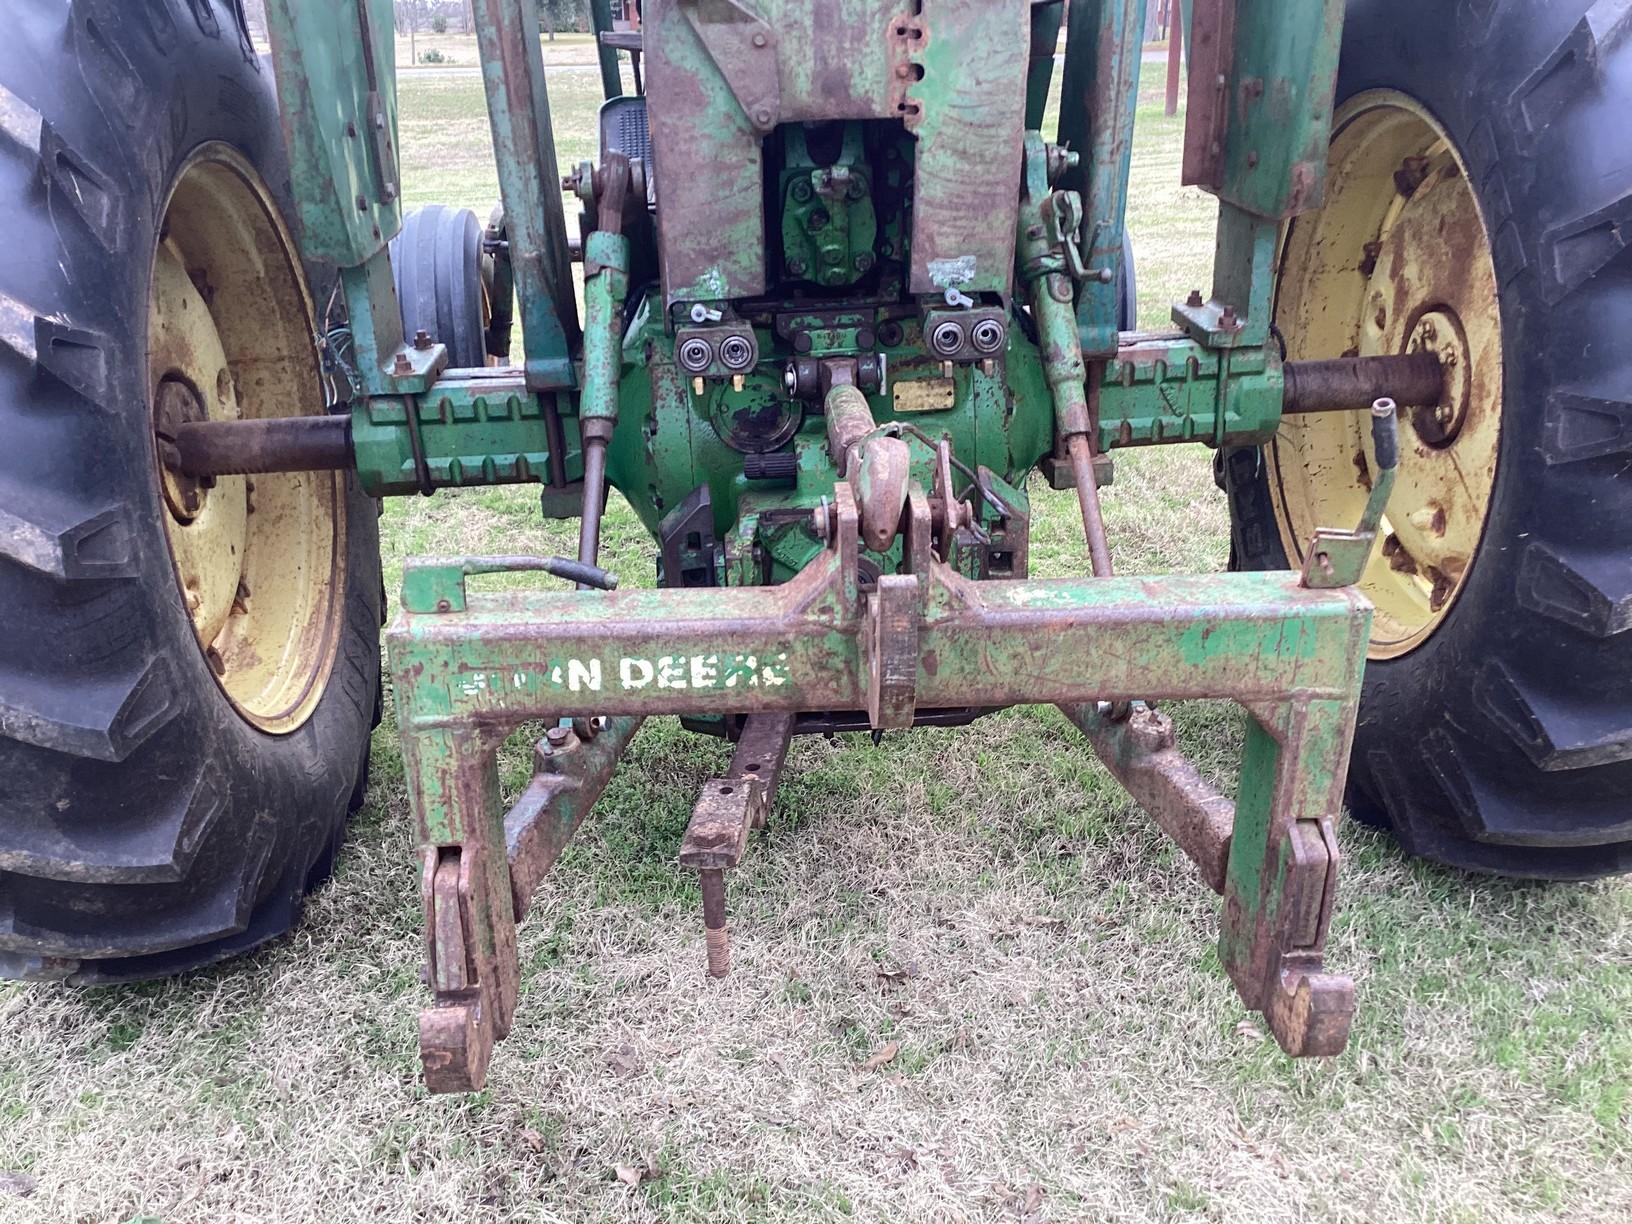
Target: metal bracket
<point>1338,558</point>
<point>727,811</point>
<point>743,47</point>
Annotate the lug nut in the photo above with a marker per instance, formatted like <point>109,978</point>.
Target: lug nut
<point>736,353</point>
<point>947,338</point>
<point>696,354</point>
<point>988,335</point>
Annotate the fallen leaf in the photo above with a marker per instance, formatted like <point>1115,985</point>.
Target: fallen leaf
<point>623,1060</point>
<point>900,975</point>
<point>532,1140</point>
<point>1125,1123</point>
<point>18,1185</point>
<point>883,1057</point>
<point>1249,1031</point>
<point>633,1175</point>
<point>1034,1198</point>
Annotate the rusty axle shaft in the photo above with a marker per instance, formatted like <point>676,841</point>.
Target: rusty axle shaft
<point>1413,380</point>
<point>247,448</point>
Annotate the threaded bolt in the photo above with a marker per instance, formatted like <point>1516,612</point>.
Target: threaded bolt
<point>717,935</point>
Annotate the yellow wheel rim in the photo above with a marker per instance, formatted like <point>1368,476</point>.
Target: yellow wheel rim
<point>257,559</point>
<point>1399,260</point>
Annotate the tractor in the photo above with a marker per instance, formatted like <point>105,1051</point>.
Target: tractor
<point>835,306</point>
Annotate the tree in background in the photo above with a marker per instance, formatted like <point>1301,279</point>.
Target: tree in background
<point>562,15</point>
<point>413,16</point>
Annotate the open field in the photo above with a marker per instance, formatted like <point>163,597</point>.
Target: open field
<point>459,50</point>
<point>1068,1048</point>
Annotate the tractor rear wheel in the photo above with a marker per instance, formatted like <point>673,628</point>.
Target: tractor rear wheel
<point>1476,207</point>
<point>190,669</point>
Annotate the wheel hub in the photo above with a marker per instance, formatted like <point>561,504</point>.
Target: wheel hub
<point>1397,261</point>
<point>1439,333</point>
<point>257,561</point>
<point>175,404</point>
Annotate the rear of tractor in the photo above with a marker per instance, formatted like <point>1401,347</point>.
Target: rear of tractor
<point>842,303</point>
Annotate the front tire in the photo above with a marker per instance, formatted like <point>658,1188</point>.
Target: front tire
<point>190,671</point>
<point>1495,730</point>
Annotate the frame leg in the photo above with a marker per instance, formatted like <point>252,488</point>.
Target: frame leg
<point>470,925</point>
<point>1283,874</point>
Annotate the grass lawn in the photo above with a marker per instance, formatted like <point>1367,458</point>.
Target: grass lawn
<point>984,899</point>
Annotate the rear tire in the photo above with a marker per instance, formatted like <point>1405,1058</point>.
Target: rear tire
<point>1503,741</point>
<point>147,825</point>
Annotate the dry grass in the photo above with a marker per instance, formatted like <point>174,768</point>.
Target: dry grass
<point>985,900</point>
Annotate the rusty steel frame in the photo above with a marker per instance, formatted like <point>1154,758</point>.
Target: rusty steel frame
<point>1291,655</point>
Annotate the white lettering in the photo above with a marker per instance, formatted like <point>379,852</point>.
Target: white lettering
<point>635,673</point>
<point>705,671</point>
<point>776,672</point>
<point>584,675</point>
<point>671,672</point>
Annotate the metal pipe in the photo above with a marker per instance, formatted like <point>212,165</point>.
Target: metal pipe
<point>1093,516</point>
<point>589,526</point>
<point>1350,384</point>
<point>250,447</point>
